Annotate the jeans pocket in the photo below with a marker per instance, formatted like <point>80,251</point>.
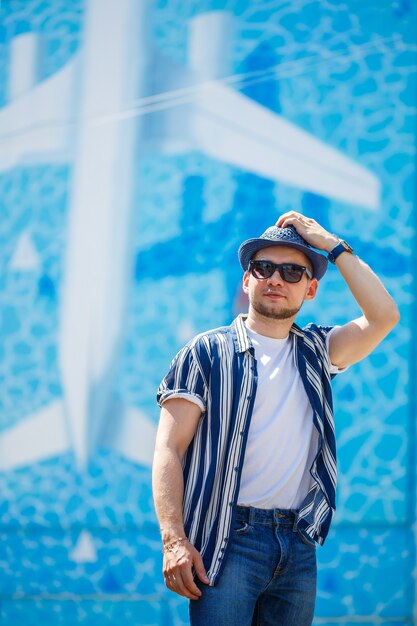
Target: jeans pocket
<point>240,527</point>
<point>306,540</point>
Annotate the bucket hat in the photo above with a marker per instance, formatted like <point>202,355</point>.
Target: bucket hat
<point>276,236</point>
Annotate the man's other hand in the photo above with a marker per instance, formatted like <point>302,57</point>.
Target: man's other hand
<point>178,569</point>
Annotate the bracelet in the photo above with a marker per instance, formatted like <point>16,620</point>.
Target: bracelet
<point>170,546</point>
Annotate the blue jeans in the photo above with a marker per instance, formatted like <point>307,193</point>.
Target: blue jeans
<point>269,577</point>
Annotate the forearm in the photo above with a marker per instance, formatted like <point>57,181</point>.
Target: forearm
<point>182,560</point>
<point>168,491</point>
<point>373,299</point>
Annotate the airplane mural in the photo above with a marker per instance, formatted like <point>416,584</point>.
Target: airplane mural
<point>114,101</point>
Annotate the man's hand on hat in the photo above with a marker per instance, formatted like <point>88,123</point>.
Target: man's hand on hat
<point>309,229</point>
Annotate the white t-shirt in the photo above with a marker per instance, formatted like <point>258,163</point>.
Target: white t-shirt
<point>282,441</point>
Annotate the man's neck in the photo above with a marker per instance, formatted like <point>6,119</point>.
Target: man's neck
<point>267,326</point>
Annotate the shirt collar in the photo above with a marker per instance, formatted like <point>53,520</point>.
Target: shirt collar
<point>241,338</point>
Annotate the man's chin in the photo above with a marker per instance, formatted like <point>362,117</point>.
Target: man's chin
<point>275,314</point>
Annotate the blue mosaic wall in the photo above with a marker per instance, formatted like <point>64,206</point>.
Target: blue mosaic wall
<point>81,544</point>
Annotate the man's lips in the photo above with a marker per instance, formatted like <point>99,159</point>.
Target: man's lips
<point>275,295</point>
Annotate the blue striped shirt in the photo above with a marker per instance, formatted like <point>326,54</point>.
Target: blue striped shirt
<point>218,369</point>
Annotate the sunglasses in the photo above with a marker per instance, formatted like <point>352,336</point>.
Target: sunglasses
<point>290,272</point>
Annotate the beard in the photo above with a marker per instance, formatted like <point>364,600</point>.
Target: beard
<point>283,314</point>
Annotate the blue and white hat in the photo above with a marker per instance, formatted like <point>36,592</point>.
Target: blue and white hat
<point>275,236</point>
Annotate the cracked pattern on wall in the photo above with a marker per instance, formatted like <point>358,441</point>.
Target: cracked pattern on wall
<point>82,545</point>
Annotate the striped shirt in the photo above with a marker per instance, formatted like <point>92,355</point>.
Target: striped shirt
<point>218,369</point>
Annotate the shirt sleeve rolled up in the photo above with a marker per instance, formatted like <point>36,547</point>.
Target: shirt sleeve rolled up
<point>185,378</point>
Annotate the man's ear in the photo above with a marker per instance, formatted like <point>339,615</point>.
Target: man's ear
<point>312,289</point>
<point>245,282</point>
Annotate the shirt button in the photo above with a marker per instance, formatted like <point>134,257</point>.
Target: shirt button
<point>225,539</point>
<point>236,469</point>
<point>230,503</point>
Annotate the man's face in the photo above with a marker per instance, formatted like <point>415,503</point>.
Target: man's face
<point>273,297</point>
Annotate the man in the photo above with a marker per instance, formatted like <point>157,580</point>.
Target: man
<point>244,471</point>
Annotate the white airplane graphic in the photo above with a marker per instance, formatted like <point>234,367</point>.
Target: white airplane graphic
<point>91,114</point>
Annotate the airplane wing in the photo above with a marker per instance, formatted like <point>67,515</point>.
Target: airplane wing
<point>38,127</point>
<point>39,436</point>
<point>45,434</point>
<point>221,122</point>
<point>132,435</point>
<point>229,126</point>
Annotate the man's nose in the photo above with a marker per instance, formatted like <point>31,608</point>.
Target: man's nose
<point>276,278</point>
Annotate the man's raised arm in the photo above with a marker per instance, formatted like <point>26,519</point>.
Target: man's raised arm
<point>356,339</point>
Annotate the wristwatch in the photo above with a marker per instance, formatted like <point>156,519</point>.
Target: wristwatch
<point>342,246</point>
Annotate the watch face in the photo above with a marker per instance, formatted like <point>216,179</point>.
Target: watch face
<point>346,245</point>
